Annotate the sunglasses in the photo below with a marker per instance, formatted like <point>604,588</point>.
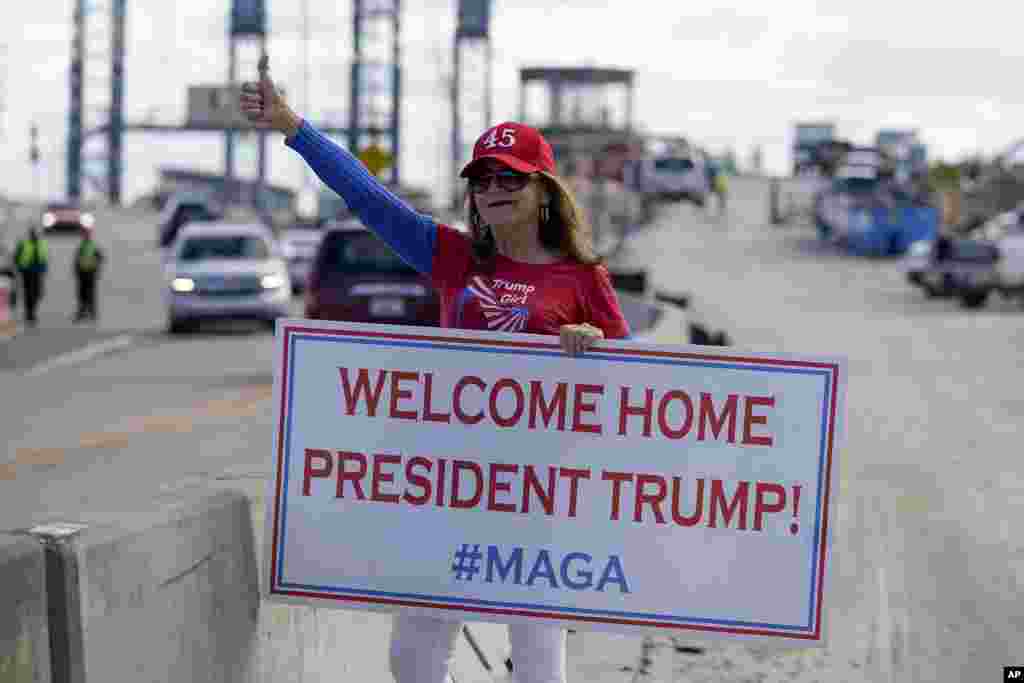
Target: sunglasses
<point>509,181</point>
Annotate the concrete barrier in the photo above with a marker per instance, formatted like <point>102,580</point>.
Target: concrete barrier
<point>641,313</point>
<point>166,594</point>
<point>24,636</point>
<point>7,324</point>
<point>667,324</point>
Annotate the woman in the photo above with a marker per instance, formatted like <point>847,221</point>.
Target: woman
<point>527,267</point>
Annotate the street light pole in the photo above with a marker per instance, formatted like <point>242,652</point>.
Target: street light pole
<point>306,177</point>
<point>34,159</point>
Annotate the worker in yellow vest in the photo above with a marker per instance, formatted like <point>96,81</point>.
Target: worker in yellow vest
<point>87,265</point>
<point>32,261</point>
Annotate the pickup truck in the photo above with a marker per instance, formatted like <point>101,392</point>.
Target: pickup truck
<point>1006,233</point>
<point>971,268</point>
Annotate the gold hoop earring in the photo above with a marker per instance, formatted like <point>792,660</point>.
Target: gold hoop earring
<point>545,214</point>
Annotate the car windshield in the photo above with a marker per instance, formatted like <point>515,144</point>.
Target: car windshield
<point>358,251</point>
<point>673,164</point>
<point>229,247</point>
<point>972,251</point>
<point>190,212</point>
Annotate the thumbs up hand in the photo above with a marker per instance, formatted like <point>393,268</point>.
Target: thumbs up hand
<point>263,105</point>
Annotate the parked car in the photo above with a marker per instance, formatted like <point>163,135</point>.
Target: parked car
<point>181,209</point>
<point>953,267</point>
<point>218,271</point>
<point>357,277</point>
<point>1002,238</point>
<point>972,269</point>
<point>65,217</point>
<point>677,176</point>
<point>299,243</point>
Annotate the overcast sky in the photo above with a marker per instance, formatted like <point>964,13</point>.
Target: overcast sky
<point>734,73</point>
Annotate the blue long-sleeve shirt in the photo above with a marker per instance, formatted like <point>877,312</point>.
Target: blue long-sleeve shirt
<point>412,235</point>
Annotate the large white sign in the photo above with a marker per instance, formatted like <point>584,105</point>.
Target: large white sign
<point>490,476</point>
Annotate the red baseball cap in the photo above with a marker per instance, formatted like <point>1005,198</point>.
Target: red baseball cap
<point>516,145</point>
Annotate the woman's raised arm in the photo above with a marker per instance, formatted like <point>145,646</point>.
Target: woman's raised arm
<point>412,235</point>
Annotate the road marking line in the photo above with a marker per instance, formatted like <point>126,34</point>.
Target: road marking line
<point>883,645</point>
<point>103,440</point>
<point>161,424</point>
<point>82,355</point>
<point>245,406</point>
<point>39,456</point>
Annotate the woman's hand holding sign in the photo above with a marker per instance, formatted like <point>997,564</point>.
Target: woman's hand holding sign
<point>263,105</point>
<point>575,339</point>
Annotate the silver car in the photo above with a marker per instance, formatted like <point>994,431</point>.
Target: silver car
<point>681,176</point>
<point>225,271</point>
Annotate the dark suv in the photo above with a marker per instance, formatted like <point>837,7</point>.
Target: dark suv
<point>357,277</point>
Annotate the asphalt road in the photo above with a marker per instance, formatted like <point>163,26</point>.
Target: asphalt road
<point>929,555</point>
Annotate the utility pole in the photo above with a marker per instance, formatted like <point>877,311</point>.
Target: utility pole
<point>306,176</point>
<point>307,192</point>
<point>456,124</point>
<point>376,86</point>
<point>248,25</point>
<point>3,90</point>
<point>75,104</point>
<point>34,159</point>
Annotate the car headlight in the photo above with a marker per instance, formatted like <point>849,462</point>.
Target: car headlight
<point>49,220</point>
<point>88,220</point>
<point>183,284</point>
<point>272,281</point>
<point>920,248</point>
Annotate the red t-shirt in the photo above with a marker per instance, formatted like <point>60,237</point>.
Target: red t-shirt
<point>521,297</point>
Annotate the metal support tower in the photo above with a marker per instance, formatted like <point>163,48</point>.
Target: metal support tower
<point>96,83</point>
<point>471,87</point>
<point>244,51</point>
<point>247,41</point>
<point>3,91</point>
<point>375,112</point>
<point>75,85</point>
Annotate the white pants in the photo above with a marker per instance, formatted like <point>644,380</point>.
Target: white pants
<point>422,649</point>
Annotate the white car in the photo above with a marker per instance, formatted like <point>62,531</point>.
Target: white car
<point>225,271</point>
<point>674,176</point>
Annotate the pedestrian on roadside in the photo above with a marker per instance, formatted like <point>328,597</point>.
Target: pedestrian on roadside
<point>31,258</point>
<point>719,185</point>
<point>87,265</point>
<point>527,231</point>
<point>722,191</point>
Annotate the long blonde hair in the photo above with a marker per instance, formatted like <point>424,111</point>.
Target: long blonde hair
<point>565,230</point>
